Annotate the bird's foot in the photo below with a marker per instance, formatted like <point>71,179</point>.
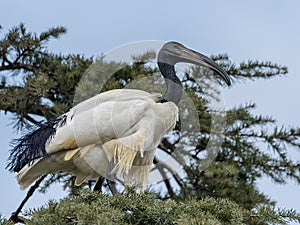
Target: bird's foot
<point>112,186</point>
<point>111,180</point>
<point>98,185</point>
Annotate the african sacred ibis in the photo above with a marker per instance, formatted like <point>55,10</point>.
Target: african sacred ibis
<point>111,134</point>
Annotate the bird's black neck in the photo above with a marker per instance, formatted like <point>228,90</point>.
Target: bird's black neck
<point>174,86</point>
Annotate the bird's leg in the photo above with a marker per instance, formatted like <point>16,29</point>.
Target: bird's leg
<point>126,185</point>
<point>111,180</point>
<point>112,186</point>
<point>99,183</point>
<point>141,189</point>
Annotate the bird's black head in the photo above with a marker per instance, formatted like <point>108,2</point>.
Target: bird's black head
<point>174,52</point>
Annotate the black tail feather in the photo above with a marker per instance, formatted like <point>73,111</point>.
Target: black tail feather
<point>32,145</point>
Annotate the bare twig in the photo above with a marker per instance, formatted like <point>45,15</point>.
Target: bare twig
<point>161,166</point>
<point>164,176</point>
<point>15,215</point>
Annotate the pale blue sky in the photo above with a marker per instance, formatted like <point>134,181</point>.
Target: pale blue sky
<point>262,30</point>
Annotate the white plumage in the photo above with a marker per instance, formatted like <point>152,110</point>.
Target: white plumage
<point>124,125</point>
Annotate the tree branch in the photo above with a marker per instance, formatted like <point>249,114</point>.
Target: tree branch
<point>15,215</point>
<point>164,176</point>
<point>158,163</point>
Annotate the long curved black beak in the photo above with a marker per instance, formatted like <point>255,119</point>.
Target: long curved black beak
<point>174,52</point>
<point>191,56</point>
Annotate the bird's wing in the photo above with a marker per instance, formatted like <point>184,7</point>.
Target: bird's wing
<point>119,94</point>
<point>110,115</point>
<point>85,163</point>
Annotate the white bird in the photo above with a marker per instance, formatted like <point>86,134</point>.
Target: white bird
<point>111,134</point>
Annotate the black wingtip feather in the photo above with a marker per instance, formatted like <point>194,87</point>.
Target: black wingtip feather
<point>32,145</point>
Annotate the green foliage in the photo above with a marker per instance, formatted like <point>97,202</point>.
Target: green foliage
<point>95,208</point>
<point>34,81</point>
<point>254,147</point>
<point>223,180</point>
<point>252,69</point>
<point>4,221</point>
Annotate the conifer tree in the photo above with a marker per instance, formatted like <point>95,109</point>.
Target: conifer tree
<point>38,85</point>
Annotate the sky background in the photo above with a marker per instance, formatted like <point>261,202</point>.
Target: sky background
<point>262,30</point>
